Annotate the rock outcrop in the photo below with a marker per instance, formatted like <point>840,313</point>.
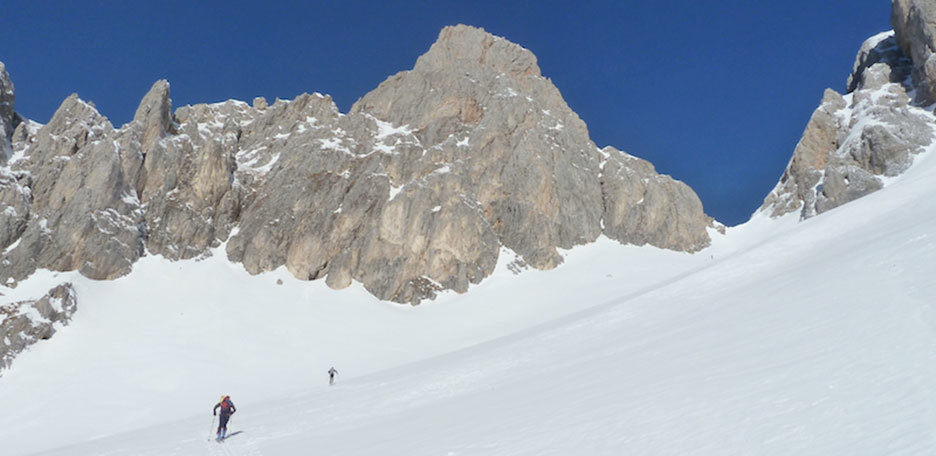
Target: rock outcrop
<point>643,207</point>
<point>914,22</point>
<point>853,142</point>
<point>25,323</point>
<point>415,190</point>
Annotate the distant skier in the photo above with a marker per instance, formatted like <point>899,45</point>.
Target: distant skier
<point>227,409</point>
<point>331,375</point>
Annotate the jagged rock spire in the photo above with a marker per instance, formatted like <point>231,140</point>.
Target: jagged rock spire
<point>154,113</point>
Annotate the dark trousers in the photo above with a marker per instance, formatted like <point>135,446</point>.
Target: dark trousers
<point>222,421</point>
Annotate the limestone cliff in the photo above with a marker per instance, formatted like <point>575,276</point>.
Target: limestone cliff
<point>415,190</point>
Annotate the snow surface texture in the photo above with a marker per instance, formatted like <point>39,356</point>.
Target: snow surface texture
<point>782,338</point>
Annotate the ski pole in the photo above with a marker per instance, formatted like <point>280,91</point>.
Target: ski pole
<point>211,430</point>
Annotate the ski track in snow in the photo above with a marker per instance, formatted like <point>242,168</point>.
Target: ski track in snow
<point>784,337</point>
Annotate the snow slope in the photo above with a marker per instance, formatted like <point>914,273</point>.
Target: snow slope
<point>158,344</point>
<point>783,338</point>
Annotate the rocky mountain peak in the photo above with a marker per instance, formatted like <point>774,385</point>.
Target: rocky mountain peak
<point>466,48</point>
<point>75,111</point>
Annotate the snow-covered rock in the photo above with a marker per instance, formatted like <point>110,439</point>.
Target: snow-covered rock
<point>854,143</point>
<point>27,322</point>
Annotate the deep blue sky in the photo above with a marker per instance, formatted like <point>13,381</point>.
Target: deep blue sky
<point>715,93</point>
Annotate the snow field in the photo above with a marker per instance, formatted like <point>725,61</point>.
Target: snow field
<point>163,342</point>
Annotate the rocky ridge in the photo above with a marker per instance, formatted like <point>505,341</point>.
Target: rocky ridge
<point>854,142</point>
<point>417,189</point>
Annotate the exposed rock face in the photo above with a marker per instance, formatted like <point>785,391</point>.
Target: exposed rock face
<point>429,174</point>
<point>415,190</point>
<point>81,210</point>
<point>7,115</point>
<point>914,22</point>
<point>186,183</point>
<point>25,323</point>
<point>855,140</point>
<point>643,207</point>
